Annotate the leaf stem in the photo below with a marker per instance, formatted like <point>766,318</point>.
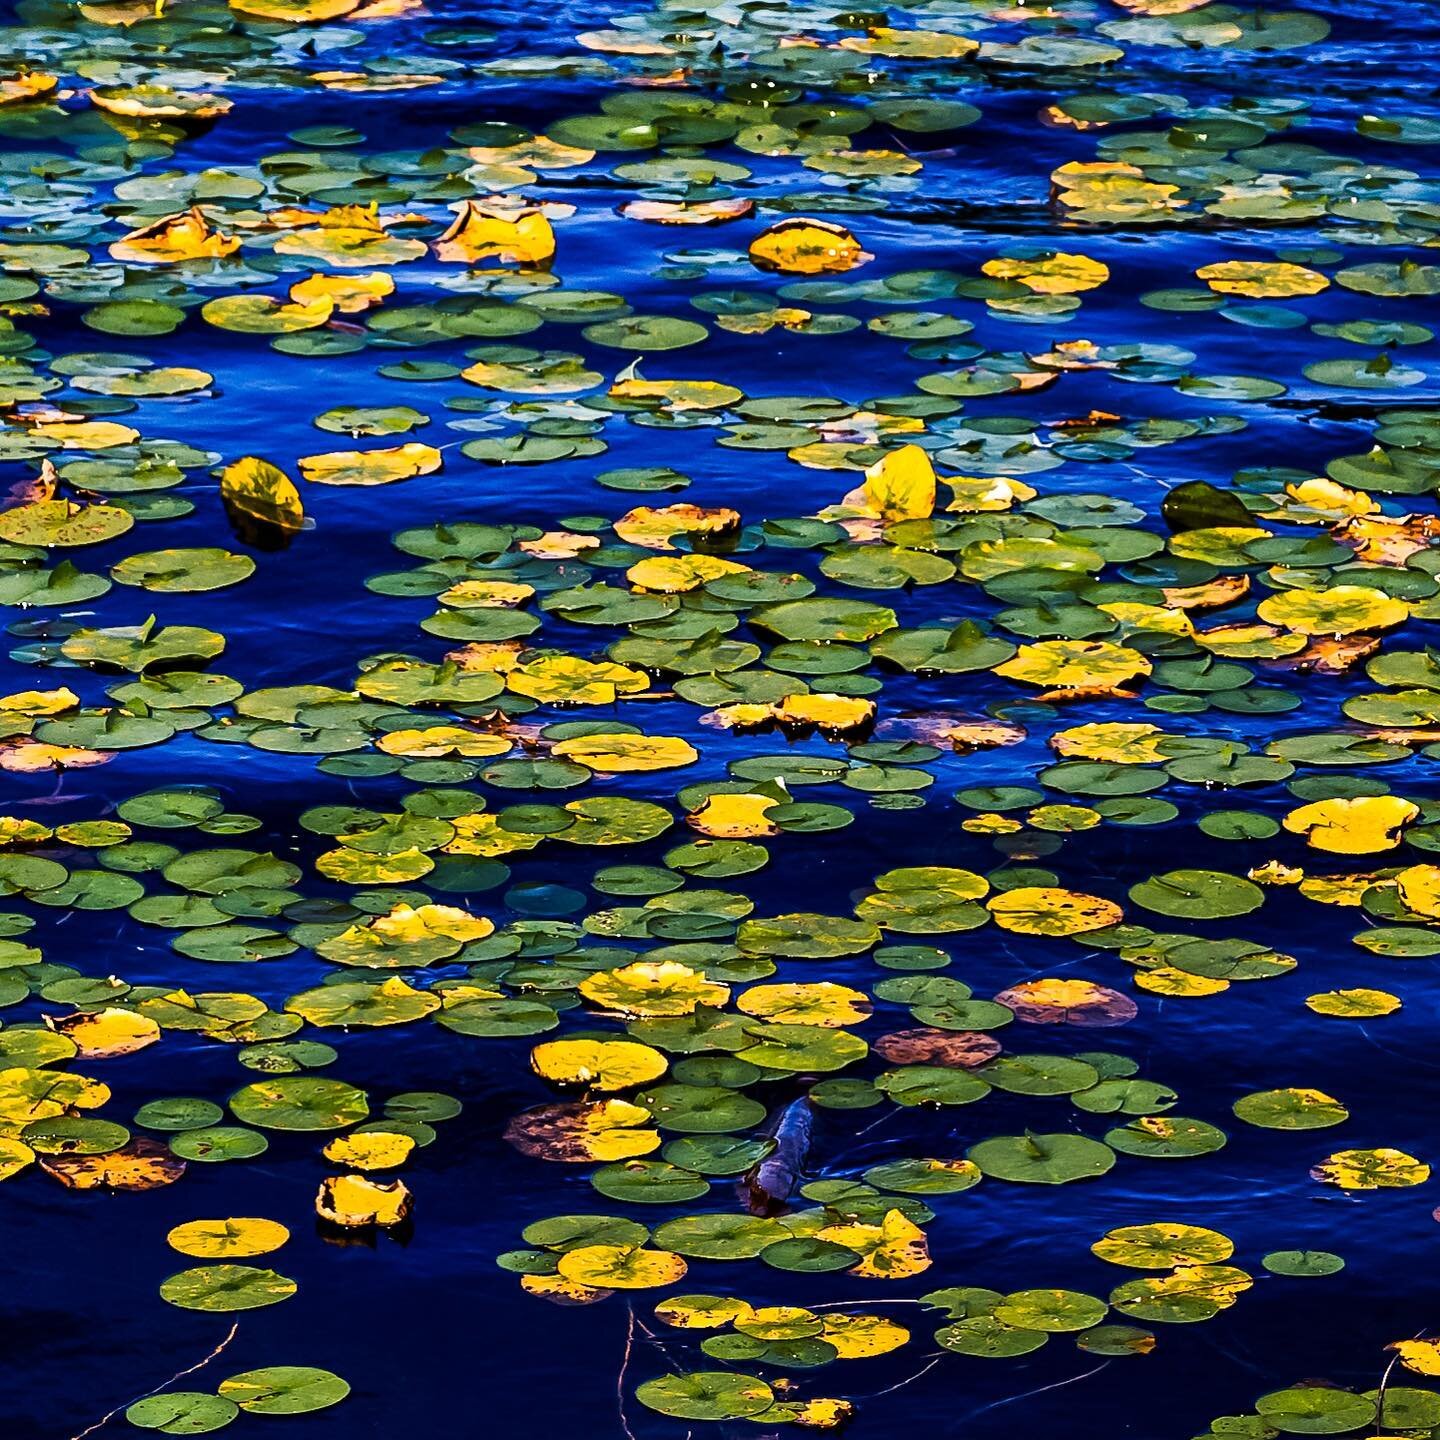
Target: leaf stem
<point>163,1385</point>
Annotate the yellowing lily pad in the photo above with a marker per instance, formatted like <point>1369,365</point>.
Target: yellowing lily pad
<point>1361,825</point>
<point>598,1065</point>
<point>807,247</point>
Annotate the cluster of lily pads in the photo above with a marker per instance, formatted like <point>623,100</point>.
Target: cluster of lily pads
<point>1313,1408</point>
<point>900,602</point>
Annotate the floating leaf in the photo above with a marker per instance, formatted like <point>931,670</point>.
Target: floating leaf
<point>226,1288</point>
<point>807,247</point>
<point>353,1202</point>
<point>284,1390</point>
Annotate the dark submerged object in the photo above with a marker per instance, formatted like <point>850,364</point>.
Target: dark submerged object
<point>766,1188</point>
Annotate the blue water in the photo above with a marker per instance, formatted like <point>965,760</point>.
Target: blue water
<point>433,1338</point>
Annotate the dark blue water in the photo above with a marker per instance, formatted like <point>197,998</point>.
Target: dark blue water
<point>434,1339</point>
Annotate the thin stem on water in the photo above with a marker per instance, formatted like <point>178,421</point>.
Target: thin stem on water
<point>163,1385</point>
<point>1026,1394</point>
<point>1385,1381</point>
<point>900,1384</point>
<point>624,1366</point>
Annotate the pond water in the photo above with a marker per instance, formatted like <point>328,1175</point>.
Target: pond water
<point>586,588</point>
